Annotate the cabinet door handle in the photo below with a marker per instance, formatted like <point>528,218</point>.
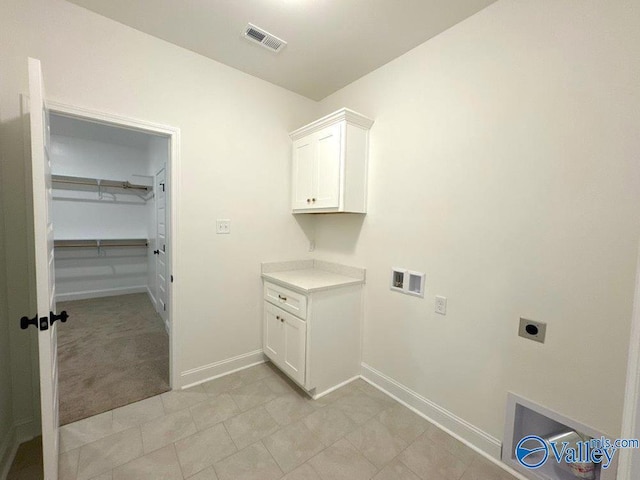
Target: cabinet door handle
<point>284,299</point>
<point>308,200</point>
<point>282,320</point>
<point>277,317</point>
<point>313,199</point>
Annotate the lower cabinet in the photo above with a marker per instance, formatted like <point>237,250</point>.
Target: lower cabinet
<point>285,341</point>
<point>313,338</point>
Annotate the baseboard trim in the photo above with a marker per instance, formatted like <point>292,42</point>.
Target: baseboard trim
<point>26,430</point>
<point>8,449</point>
<point>486,445</point>
<point>109,292</point>
<point>333,389</point>
<point>205,373</point>
<point>151,297</point>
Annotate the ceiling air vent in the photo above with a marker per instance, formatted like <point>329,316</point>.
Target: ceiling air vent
<point>261,37</point>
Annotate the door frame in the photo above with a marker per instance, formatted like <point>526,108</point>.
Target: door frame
<point>173,174</point>
<point>629,461</point>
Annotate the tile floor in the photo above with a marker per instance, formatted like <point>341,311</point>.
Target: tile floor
<point>255,424</point>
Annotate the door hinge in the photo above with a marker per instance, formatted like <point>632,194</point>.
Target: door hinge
<point>171,278</point>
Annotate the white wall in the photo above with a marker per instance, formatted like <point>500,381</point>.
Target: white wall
<point>234,164</point>
<point>504,164</point>
<point>85,273</point>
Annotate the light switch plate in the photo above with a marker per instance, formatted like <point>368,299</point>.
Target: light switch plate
<point>223,226</point>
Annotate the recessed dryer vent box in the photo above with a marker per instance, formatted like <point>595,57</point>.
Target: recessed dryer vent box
<point>525,419</point>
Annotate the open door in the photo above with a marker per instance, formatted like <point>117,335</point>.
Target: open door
<point>45,319</point>
<point>161,244</point>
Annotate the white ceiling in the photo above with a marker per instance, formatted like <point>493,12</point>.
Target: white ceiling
<point>331,43</point>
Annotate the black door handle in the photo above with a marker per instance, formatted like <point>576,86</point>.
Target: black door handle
<point>26,321</point>
<point>43,323</point>
<point>156,252</point>
<point>53,318</point>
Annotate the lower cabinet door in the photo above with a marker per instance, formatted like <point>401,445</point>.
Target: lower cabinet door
<point>285,341</point>
<point>295,348</point>
<point>273,333</point>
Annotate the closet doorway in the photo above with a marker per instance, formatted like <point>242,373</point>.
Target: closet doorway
<point>112,250</point>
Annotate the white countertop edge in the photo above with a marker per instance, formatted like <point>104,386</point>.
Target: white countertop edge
<point>297,288</point>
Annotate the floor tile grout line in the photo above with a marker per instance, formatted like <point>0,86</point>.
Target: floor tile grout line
<point>229,433</point>
<point>175,452</point>
<point>312,467</point>
<point>403,463</point>
<point>234,402</point>
<point>179,462</point>
<point>362,454</point>
<point>272,457</point>
<point>466,467</point>
<point>282,427</point>
<point>77,469</point>
<point>453,454</point>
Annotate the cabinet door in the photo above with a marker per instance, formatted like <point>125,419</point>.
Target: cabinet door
<point>295,348</point>
<point>273,334</point>
<point>303,161</point>
<point>327,167</point>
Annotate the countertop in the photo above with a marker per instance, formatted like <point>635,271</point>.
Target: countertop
<point>312,275</point>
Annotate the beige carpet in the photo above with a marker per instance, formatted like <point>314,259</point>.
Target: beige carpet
<point>111,352</point>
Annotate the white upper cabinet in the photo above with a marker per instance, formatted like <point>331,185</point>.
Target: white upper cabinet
<point>329,165</point>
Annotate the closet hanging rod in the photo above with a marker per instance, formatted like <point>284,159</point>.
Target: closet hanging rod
<point>109,184</point>
<point>99,244</point>
<point>103,246</point>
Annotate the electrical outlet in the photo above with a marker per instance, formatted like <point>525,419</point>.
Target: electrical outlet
<point>223,227</point>
<point>532,330</point>
<point>441,305</point>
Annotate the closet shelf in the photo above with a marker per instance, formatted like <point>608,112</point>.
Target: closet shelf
<point>92,184</point>
<point>117,242</point>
